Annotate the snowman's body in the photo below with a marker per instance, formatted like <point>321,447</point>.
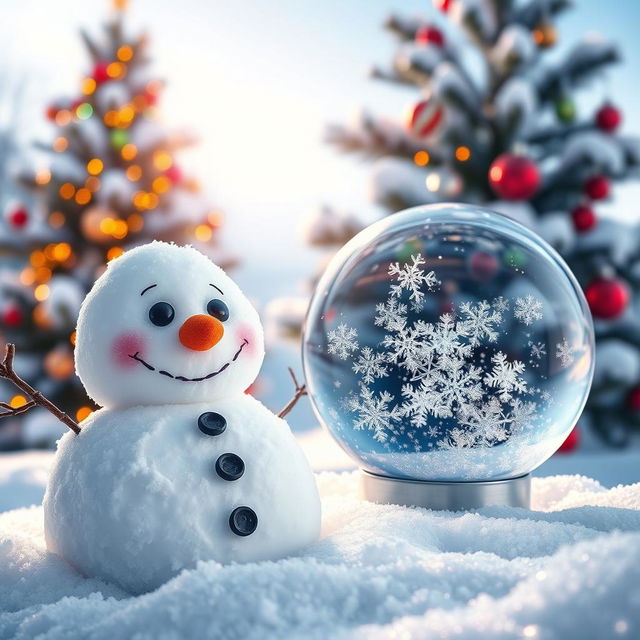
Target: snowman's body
<point>143,484</point>
<point>180,466</point>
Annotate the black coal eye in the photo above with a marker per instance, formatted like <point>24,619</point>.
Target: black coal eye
<point>161,314</point>
<point>218,309</point>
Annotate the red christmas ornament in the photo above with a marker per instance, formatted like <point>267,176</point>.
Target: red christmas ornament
<point>597,187</point>
<point>483,265</point>
<point>584,218</point>
<point>572,441</point>
<point>633,399</point>
<point>150,97</point>
<point>443,5</point>
<point>174,173</point>
<point>514,177</point>
<point>608,118</point>
<point>100,74</point>
<point>18,217</point>
<point>424,117</point>
<point>427,35</point>
<point>607,297</point>
<point>52,112</point>
<point>12,316</point>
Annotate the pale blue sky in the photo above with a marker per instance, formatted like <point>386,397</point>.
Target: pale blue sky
<point>258,80</point>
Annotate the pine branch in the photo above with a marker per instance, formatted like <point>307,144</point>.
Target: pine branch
<point>502,10</point>
<point>37,399</point>
<point>376,142</point>
<point>92,47</point>
<point>392,76</point>
<point>537,11</point>
<point>405,28</point>
<point>584,61</point>
<point>301,390</point>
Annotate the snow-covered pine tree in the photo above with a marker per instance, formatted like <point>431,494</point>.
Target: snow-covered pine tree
<point>112,183</point>
<point>500,127</point>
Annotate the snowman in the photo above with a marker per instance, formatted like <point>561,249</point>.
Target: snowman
<point>180,465</point>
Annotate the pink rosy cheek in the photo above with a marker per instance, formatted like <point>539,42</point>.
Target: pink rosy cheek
<point>125,345</point>
<point>245,332</point>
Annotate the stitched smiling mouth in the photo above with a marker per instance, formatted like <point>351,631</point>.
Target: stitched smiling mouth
<point>136,357</point>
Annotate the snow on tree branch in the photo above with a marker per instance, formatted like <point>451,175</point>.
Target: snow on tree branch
<point>534,12</point>
<point>581,64</point>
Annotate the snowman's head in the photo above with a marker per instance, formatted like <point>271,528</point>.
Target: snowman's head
<point>164,325</point>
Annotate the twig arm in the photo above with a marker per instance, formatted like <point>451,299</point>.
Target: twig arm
<point>37,399</point>
<point>301,390</point>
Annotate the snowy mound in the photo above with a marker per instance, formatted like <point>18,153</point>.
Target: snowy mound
<point>569,569</point>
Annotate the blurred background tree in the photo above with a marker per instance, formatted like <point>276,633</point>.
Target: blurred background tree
<point>497,122</point>
<point>113,182</point>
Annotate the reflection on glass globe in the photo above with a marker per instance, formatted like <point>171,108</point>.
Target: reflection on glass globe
<point>448,343</point>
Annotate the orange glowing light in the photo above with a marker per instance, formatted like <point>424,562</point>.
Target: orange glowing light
<point>124,53</point>
<point>37,259</point>
<point>111,118</point>
<point>41,292</point>
<point>129,151</point>
<point>57,219</point>
<point>82,413</point>
<point>83,196</point>
<point>114,252</point>
<point>421,158</point>
<point>162,160</point>
<point>63,117</point>
<point>215,218</point>
<point>27,276</point>
<point>135,222</point>
<point>115,70</point>
<point>17,401</point>
<point>120,229</point>
<point>161,184</point>
<point>203,232</point>
<point>48,251</point>
<point>72,338</point>
<point>40,316</point>
<point>107,226</point>
<point>42,274</point>
<point>95,166</point>
<point>67,190</point>
<point>92,183</point>
<point>126,115</point>
<point>62,251</point>
<point>88,86</point>
<point>134,172</point>
<point>60,144</point>
<point>463,153</point>
<point>43,177</point>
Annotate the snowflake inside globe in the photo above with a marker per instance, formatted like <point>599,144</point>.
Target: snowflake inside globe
<point>448,343</point>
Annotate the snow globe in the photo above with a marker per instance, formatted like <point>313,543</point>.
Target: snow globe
<point>449,350</point>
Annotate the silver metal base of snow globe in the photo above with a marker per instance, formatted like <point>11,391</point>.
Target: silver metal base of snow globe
<point>446,496</point>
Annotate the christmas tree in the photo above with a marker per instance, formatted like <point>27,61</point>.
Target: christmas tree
<point>112,183</point>
<point>501,127</point>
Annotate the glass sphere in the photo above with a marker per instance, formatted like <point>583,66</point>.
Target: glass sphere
<point>448,343</point>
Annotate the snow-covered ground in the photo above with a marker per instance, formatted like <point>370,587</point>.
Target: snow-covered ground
<point>570,568</point>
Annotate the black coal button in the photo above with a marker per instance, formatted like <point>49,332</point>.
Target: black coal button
<point>211,423</point>
<point>243,521</point>
<point>229,466</point>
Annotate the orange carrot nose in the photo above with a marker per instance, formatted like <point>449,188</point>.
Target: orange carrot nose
<point>201,332</point>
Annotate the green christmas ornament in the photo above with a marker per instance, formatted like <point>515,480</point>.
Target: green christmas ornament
<point>514,257</point>
<point>565,109</point>
<point>408,249</point>
<point>119,137</point>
